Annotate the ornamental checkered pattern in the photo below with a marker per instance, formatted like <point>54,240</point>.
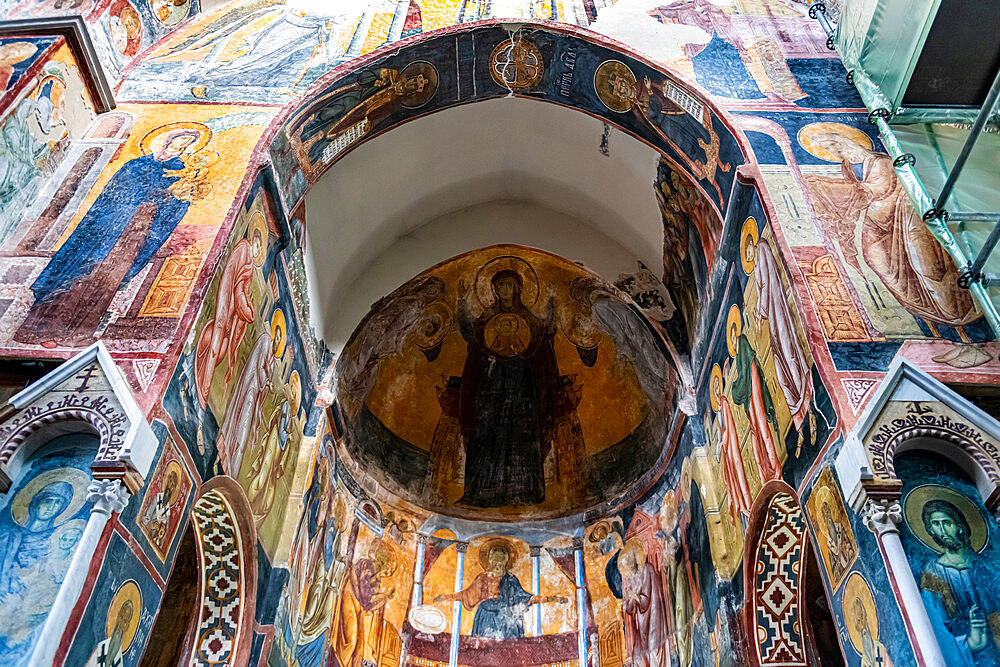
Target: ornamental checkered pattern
<point>222,587</point>
<point>777,576</point>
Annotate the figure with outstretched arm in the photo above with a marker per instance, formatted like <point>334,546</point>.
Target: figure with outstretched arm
<point>497,596</point>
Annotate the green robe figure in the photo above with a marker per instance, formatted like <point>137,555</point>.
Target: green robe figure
<point>750,390</point>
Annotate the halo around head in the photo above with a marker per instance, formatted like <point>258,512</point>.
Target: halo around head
<point>493,544</point>
<point>913,507</point>
<point>748,235</point>
<point>484,279</point>
<point>635,547</point>
<point>127,592</point>
<point>294,392</point>
<point>75,477</point>
<point>857,588</point>
<point>164,133</point>
<point>173,467</point>
<point>734,321</point>
<point>278,329</point>
<point>257,226</point>
<point>715,387</point>
<point>416,68</point>
<point>810,135</point>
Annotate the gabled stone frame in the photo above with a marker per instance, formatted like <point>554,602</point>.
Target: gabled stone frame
<point>90,390</point>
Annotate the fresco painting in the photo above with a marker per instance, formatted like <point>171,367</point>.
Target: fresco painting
<point>38,126</point>
<point>43,517</point>
<point>631,95</point>
<point>162,511</point>
<point>124,265</point>
<point>244,398</point>
<point>115,626</point>
<point>837,545</point>
<point>509,356</point>
<point>862,622</point>
<point>535,389</point>
<point>950,542</point>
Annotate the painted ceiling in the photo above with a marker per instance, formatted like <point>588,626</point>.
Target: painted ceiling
<point>505,383</point>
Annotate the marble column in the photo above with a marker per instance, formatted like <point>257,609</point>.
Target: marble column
<point>418,571</point>
<point>581,601</point>
<point>456,615</point>
<point>882,517</point>
<point>536,587</point>
<point>108,496</point>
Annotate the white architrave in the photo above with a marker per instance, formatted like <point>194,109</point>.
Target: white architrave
<point>89,388</point>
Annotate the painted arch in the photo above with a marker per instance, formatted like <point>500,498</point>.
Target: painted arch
<point>488,60</point>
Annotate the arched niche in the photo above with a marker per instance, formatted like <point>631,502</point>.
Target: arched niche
<point>361,202</point>
<point>227,575</point>
<point>774,570</point>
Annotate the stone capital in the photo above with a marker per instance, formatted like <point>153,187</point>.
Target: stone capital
<point>882,516</point>
<point>107,495</point>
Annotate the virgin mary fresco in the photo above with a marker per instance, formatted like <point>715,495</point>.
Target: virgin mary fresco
<point>130,220</point>
<point>37,534</point>
<point>511,392</point>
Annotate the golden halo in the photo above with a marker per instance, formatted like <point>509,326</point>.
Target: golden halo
<point>75,477</point>
<point>734,321</point>
<point>129,591</point>
<point>434,325</point>
<point>497,543</point>
<point>749,232</point>
<point>205,134</point>
<point>294,392</point>
<point>615,84</point>
<point>809,134</point>
<point>257,225</point>
<point>484,279</point>
<point>913,505</point>
<point>636,547</point>
<point>857,588</point>
<point>715,394</point>
<point>517,65</point>
<point>391,561</point>
<point>419,99</point>
<point>577,323</point>
<point>173,466</point>
<point>13,53</point>
<point>278,328</point>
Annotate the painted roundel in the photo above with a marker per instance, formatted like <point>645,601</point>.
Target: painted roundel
<point>517,64</point>
<point>505,383</point>
<point>126,27</point>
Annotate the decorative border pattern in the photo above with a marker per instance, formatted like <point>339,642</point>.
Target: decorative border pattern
<point>223,589</point>
<point>776,577</point>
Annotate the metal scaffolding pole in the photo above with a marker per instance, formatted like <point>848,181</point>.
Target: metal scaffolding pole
<point>934,217</point>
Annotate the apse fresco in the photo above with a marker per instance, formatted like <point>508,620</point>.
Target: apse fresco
<point>43,518</point>
<point>241,394</point>
<point>531,388</point>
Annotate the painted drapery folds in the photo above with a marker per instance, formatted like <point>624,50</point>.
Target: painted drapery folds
<point>243,398</point>
<point>533,387</point>
<point>514,460</point>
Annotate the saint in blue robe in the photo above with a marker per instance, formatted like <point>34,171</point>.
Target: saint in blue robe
<point>141,181</point>
<point>502,617</point>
